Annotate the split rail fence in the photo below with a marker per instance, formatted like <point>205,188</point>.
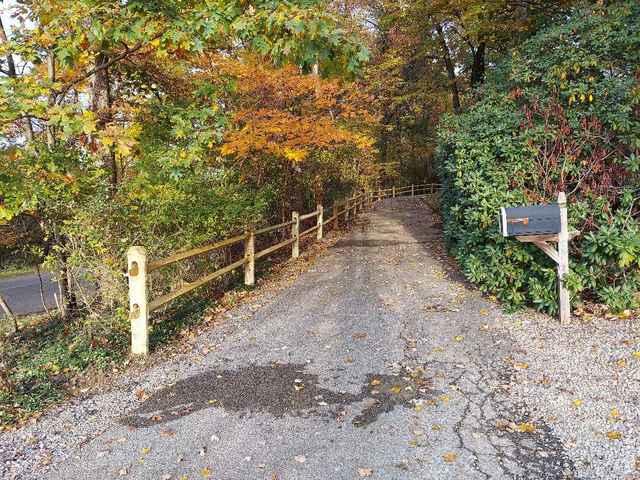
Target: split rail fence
<point>139,266</point>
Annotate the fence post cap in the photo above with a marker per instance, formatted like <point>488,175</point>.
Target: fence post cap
<point>137,250</point>
<point>562,198</point>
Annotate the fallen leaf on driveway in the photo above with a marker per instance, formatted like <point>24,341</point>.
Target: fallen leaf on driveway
<point>300,458</point>
<point>577,403</point>
<point>458,338</point>
<point>396,389</point>
<point>167,432</point>
<point>122,472</point>
<point>450,457</point>
<point>146,450</point>
<point>521,365</point>
<point>365,472</point>
<point>205,472</point>
<point>375,382</point>
<point>526,427</point>
<point>614,415</point>
<point>613,435</point>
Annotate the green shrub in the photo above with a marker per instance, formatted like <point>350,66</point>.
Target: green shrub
<point>561,114</point>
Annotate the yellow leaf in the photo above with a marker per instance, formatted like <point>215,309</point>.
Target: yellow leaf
<point>613,435</point>
<point>577,403</point>
<point>107,141</point>
<point>636,354</point>
<point>458,338</point>
<point>365,472</point>
<point>521,365</point>
<point>614,414</point>
<point>205,472</point>
<point>375,382</point>
<point>484,311</point>
<point>621,363</point>
<point>450,457</point>
<point>526,427</point>
<point>295,155</point>
<point>226,150</point>
<point>396,389</point>
<point>146,450</point>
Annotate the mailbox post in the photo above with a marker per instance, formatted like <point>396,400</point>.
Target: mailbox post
<point>540,225</point>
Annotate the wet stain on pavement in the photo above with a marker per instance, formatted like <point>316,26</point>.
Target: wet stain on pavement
<point>279,390</point>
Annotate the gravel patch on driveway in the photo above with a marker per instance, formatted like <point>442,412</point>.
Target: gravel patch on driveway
<point>584,381</point>
<point>378,362</point>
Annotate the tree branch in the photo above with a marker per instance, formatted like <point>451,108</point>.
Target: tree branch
<point>128,51</point>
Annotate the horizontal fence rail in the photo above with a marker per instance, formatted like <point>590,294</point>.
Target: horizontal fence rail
<point>139,268</point>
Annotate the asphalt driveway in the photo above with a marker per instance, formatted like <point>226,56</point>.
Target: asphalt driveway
<point>378,362</point>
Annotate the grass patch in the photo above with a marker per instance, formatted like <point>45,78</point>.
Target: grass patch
<point>16,271</point>
<point>42,360</point>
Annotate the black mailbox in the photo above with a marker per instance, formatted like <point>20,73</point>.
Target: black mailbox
<point>532,220</point>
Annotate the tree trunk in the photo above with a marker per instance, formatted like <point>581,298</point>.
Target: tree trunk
<point>51,69</point>
<point>451,72</point>
<point>478,67</point>
<point>101,106</point>
<point>11,72</point>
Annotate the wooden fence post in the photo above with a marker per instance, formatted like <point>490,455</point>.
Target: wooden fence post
<point>413,190</point>
<point>563,263</point>
<point>250,257</point>
<point>320,221</point>
<point>138,310</point>
<point>394,191</point>
<point>295,234</point>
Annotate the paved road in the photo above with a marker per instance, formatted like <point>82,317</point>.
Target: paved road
<point>22,293</point>
<point>377,362</point>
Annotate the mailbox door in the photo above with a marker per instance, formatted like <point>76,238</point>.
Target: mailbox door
<point>532,220</point>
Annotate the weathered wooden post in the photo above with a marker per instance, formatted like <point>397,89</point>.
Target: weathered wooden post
<point>379,194</point>
<point>413,190</point>
<point>138,310</point>
<point>320,221</point>
<point>394,191</point>
<point>250,257</point>
<point>563,260</point>
<point>295,235</point>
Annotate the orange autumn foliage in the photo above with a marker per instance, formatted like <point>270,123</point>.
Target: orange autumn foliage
<point>286,114</point>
